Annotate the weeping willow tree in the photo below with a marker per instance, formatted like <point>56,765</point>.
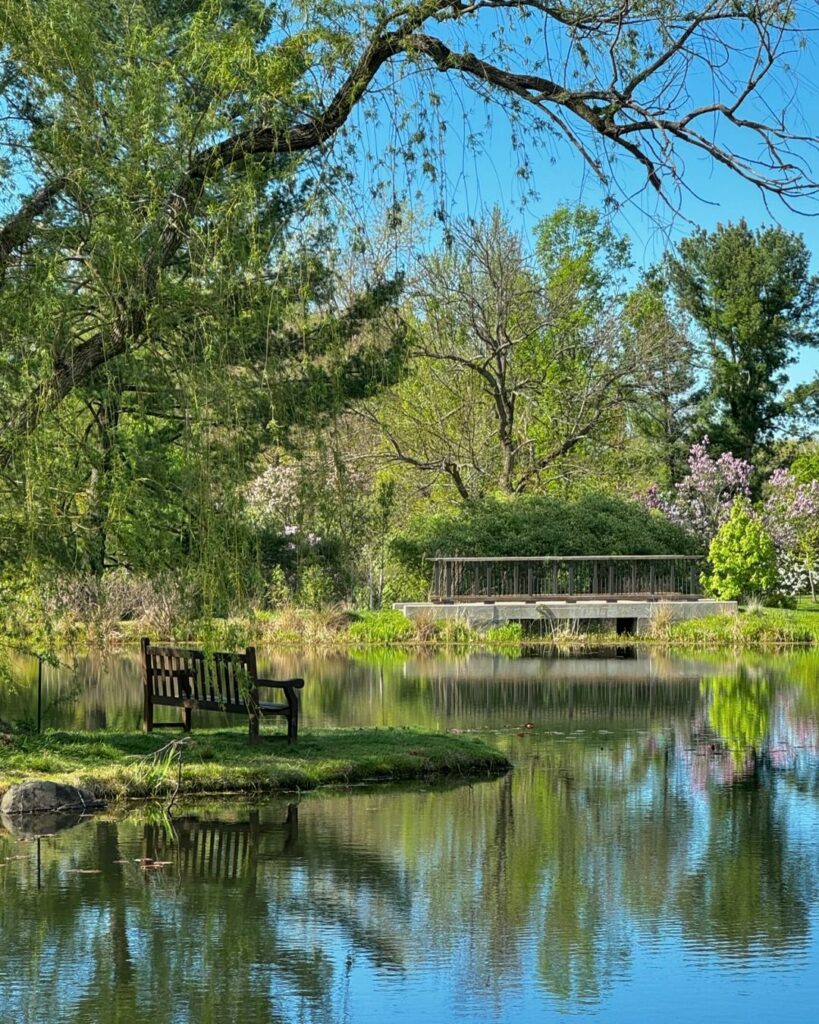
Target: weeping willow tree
<point>170,167</point>
<point>149,352</point>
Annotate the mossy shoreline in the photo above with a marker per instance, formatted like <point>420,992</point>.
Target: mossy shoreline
<point>119,766</point>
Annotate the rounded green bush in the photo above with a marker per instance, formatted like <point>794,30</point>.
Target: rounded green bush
<point>743,558</point>
<point>595,524</point>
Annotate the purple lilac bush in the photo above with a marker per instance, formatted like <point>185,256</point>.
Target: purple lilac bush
<point>791,514</point>
<point>703,499</point>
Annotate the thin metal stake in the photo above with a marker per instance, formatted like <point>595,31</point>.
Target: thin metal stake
<point>39,691</point>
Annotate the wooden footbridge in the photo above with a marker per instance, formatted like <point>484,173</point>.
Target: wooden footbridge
<point>550,588</point>
<point>557,578</point>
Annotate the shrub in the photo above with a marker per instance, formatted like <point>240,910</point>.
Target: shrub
<point>743,558</point>
<point>595,524</point>
<point>316,588</point>
<point>506,633</point>
<point>278,589</point>
<point>788,601</point>
<point>382,627</point>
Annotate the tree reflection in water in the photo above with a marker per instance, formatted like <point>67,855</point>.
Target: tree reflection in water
<point>660,803</point>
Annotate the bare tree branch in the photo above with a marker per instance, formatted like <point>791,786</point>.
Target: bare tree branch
<point>17,229</point>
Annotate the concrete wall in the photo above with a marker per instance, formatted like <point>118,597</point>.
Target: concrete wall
<point>634,615</point>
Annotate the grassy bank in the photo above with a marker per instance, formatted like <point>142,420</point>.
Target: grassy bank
<point>335,630</point>
<point>757,627</point>
<point>125,765</point>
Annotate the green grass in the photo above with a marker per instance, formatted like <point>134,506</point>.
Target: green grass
<point>336,630</point>
<point>383,627</point>
<point>122,765</point>
<point>753,628</point>
<point>389,628</point>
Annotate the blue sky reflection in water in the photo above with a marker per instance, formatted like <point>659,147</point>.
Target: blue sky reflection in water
<point>638,864</point>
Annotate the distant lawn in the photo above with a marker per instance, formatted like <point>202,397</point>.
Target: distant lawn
<point>121,765</point>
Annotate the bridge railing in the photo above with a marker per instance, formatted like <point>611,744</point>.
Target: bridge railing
<point>612,577</point>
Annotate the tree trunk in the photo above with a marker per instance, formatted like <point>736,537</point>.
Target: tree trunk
<point>106,417</point>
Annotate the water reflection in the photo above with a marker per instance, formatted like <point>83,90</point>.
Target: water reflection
<point>653,854</point>
<point>394,688</point>
<point>212,848</point>
<point>546,886</point>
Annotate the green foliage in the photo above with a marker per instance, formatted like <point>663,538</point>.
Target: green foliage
<point>532,525</point>
<point>520,368</point>
<point>753,298</point>
<point>197,331</point>
<point>739,710</point>
<point>456,631</point>
<point>278,592</point>
<point>742,556</point>
<point>175,308</point>
<point>381,627</point>
<point>405,581</point>
<point>584,262</point>
<point>805,467</point>
<point>315,588</point>
<point>509,633</point>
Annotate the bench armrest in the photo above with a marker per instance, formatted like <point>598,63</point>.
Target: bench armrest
<point>281,684</point>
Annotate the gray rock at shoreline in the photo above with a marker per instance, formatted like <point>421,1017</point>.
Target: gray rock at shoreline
<point>33,826</point>
<point>41,797</point>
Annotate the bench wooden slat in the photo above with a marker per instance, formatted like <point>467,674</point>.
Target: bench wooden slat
<point>215,705</point>
<point>201,678</point>
<point>186,678</point>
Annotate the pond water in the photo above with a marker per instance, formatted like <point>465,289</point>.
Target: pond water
<point>654,855</point>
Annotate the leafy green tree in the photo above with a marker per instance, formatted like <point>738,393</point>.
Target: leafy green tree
<point>521,367</point>
<point>752,297</point>
<point>153,133</point>
<point>168,300</point>
<point>742,556</point>
<point>663,413</point>
<point>805,466</point>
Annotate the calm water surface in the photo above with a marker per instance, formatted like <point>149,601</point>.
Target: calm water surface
<point>654,856</point>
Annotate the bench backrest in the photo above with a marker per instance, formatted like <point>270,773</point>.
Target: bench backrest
<point>180,673</point>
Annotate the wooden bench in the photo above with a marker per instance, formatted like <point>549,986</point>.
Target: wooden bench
<point>186,678</point>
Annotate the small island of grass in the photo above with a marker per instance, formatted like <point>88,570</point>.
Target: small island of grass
<point>118,765</point>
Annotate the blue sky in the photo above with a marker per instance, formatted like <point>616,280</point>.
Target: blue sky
<point>492,179</point>
<point>473,179</point>
<point>477,178</point>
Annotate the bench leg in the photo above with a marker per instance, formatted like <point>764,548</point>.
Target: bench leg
<point>292,727</point>
<point>253,728</point>
<point>148,715</point>
<point>186,719</point>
